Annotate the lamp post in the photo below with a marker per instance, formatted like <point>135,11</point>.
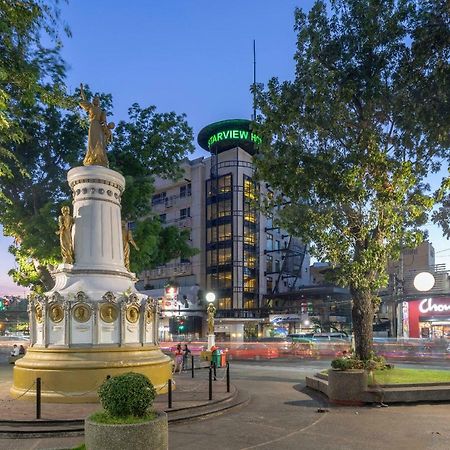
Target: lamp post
<point>211,311</point>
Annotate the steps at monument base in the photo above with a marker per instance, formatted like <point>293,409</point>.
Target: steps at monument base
<point>25,429</point>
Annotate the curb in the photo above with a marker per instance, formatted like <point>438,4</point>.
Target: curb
<point>26,429</point>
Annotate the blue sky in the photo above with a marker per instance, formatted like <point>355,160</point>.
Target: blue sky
<point>191,56</point>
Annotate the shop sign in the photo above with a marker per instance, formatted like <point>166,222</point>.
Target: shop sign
<point>284,318</point>
<point>430,306</point>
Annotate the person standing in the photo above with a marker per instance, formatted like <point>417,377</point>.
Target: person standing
<point>186,353</point>
<point>178,359</point>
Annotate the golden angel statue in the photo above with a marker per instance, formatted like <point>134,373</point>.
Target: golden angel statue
<point>211,311</point>
<point>99,132</point>
<point>66,222</point>
<point>127,237</point>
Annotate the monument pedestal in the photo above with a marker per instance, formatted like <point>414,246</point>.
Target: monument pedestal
<point>93,323</point>
<point>211,340</point>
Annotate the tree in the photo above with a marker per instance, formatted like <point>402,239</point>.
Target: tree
<point>31,69</point>
<point>347,143</point>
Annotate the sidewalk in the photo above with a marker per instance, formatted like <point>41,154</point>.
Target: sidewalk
<point>188,394</point>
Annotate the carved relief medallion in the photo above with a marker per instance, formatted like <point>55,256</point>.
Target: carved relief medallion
<point>149,316</point>
<point>108,312</point>
<point>56,313</point>
<point>38,313</point>
<point>81,313</point>
<point>132,314</point>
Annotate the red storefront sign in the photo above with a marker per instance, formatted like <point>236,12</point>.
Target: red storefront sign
<point>426,309</point>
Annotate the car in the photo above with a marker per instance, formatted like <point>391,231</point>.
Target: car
<point>252,350</point>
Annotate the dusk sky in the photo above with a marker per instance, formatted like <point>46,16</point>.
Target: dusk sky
<point>191,56</point>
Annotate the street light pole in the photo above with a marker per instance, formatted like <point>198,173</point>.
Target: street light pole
<point>211,311</point>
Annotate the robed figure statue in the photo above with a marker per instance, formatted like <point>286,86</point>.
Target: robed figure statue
<point>99,132</point>
<point>65,222</point>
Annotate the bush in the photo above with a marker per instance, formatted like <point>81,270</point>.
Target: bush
<point>130,394</point>
<point>347,363</point>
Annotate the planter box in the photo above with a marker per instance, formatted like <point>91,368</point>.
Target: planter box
<point>346,387</point>
<point>152,435</point>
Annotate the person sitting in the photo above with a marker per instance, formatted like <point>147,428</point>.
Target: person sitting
<point>21,350</point>
<point>15,350</point>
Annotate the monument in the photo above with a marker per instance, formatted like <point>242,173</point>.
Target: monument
<point>93,323</point>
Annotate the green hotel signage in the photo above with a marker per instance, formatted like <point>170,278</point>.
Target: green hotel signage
<point>241,135</point>
<point>221,136</point>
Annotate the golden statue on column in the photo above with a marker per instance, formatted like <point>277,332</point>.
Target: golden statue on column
<point>65,222</point>
<point>127,237</point>
<point>99,132</point>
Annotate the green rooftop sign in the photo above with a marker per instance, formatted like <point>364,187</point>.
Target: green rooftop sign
<point>221,136</point>
<point>235,135</point>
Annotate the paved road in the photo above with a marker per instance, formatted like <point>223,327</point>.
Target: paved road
<point>282,415</point>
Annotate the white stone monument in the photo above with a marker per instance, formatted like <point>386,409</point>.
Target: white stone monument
<point>93,323</point>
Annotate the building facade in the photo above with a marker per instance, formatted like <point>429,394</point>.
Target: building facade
<point>242,256</point>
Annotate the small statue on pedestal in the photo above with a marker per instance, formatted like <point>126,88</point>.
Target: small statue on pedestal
<point>99,132</point>
<point>66,222</point>
<point>211,311</point>
<point>127,237</point>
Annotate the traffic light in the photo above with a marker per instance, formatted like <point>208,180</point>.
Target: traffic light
<point>181,325</point>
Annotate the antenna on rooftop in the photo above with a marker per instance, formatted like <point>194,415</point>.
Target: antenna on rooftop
<point>254,80</point>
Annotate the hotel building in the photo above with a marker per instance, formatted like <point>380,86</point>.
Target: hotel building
<point>242,256</point>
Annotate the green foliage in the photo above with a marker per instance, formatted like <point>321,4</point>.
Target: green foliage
<point>158,244</point>
<point>375,362</point>
<point>148,144</point>
<point>347,142</point>
<point>105,417</point>
<point>129,394</point>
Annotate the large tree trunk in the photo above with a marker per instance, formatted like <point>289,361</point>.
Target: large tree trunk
<point>362,314</point>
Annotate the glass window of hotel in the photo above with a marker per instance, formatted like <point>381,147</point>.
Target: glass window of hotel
<point>225,208</point>
<point>249,259</point>
<point>269,242</point>
<point>185,212</point>
<point>185,190</point>
<point>163,218</point>
<point>211,234</point>
<point>211,258</point>
<point>269,284</point>
<point>249,236</point>
<point>158,198</point>
<point>225,232</point>
<point>221,280</point>
<point>224,256</point>
<point>277,265</point>
<point>269,221</point>
<point>249,303</point>
<point>249,188</point>
<point>225,184</point>
<point>250,285</point>
<point>277,245</point>
<point>269,261</point>
<point>224,303</point>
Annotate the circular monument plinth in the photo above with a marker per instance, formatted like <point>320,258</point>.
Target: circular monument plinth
<point>74,375</point>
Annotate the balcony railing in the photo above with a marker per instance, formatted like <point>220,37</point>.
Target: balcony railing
<point>169,270</point>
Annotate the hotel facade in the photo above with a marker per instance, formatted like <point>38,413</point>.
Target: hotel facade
<point>242,257</point>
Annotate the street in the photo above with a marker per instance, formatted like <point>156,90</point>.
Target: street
<point>282,415</point>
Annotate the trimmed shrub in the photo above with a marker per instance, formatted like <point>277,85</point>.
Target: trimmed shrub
<point>129,394</point>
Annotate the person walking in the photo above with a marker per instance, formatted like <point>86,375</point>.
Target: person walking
<point>186,353</point>
<point>178,359</point>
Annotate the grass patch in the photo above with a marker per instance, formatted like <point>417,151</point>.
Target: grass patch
<point>410,376</point>
<point>104,417</point>
<point>81,447</point>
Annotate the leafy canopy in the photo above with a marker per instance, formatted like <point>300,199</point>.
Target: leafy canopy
<point>347,142</point>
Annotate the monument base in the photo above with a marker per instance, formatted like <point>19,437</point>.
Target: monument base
<point>73,375</point>
<point>211,341</point>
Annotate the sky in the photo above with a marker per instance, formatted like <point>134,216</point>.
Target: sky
<point>187,56</point>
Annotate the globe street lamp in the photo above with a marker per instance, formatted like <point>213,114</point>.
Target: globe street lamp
<point>211,311</point>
